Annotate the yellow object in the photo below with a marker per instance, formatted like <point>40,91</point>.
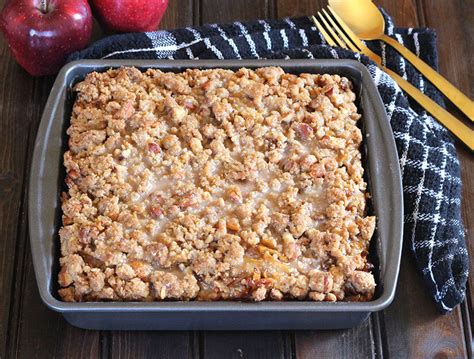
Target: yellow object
<point>338,30</point>
<point>367,22</point>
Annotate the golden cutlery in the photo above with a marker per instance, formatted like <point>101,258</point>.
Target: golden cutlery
<point>365,19</point>
<point>337,33</point>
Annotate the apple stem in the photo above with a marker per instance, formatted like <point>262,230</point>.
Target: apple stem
<point>44,6</point>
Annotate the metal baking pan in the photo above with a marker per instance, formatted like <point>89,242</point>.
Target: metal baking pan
<point>382,173</point>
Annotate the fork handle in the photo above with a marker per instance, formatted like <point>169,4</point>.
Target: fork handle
<point>452,93</point>
<point>460,130</point>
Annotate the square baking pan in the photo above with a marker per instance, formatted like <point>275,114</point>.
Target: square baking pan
<point>382,173</point>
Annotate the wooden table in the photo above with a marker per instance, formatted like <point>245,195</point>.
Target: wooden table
<point>410,327</point>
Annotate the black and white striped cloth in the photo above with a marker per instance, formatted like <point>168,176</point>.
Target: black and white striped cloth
<point>428,160</point>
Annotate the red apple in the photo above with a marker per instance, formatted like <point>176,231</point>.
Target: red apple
<point>129,15</point>
<point>42,33</point>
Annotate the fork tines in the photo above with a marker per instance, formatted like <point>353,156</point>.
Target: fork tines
<point>335,31</point>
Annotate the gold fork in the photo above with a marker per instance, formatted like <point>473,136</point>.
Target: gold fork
<point>337,33</point>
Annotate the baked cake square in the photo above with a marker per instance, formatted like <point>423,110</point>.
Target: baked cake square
<point>215,185</point>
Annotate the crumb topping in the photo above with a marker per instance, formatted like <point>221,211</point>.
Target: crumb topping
<point>214,185</point>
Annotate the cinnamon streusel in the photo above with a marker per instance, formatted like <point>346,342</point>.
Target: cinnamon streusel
<point>214,185</point>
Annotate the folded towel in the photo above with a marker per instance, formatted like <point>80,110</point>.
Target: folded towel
<point>429,164</point>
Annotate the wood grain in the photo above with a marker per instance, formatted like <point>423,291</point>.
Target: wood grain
<point>456,63</point>
<point>412,325</point>
<point>129,344</point>
<point>228,344</point>
<point>224,11</point>
<point>453,21</point>
<point>36,327</point>
<point>178,14</point>
<point>351,343</point>
<point>16,118</point>
<point>404,12</point>
<point>152,345</point>
<point>44,333</point>
<point>237,345</point>
<point>16,145</point>
<point>358,342</point>
<point>285,8</point>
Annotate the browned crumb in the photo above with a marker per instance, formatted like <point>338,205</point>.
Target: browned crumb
<point>214,185</point>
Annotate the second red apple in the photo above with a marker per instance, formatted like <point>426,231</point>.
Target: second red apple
<point>129,15</point>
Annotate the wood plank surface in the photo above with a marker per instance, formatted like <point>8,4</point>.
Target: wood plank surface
<point>43,333</point>
<point>237,345</point>
<point>38,328</point>
<point>17,117</point>
<point>360,342</point>
<point>159,345</point>
<point>410,328</point>
<point>178,14</point>
<point>413,326</point>
<point>11,182</point>
<point>404,12</point>
<point>245,344</point>
<point>285,8</point>
<point>451,23</point>
<point>130,344</point>
<point>354,343</point>
<point>223,11</point>
<point>350,343</point>
<point>54,333</point>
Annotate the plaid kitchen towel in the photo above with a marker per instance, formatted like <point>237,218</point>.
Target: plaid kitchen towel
<point>428,160</point>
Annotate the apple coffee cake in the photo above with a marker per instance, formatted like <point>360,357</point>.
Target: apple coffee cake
<point>214,185</point>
